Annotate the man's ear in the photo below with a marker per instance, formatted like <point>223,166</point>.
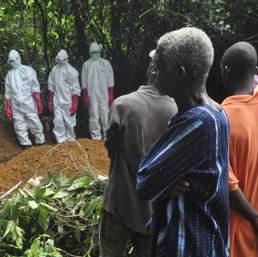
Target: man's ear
<point>225,72</point>
<point>181,73</point>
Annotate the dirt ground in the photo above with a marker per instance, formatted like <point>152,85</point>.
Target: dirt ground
<point>80,157</point>
<point>8,143</point>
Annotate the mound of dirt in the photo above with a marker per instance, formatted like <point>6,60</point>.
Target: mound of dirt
<point>82,156</point>
<point>9,146</point>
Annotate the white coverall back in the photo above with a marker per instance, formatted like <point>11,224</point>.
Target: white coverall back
<point>63,82</point>
<point>97,76</point>
<point>20,84</point>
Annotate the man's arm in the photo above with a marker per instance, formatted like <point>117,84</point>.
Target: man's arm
<point>240,202</point>
<point>176,153</point>
<point>51,82</point>
<point>242,205</point>
<point>75,84</point>
<point>114,129</point>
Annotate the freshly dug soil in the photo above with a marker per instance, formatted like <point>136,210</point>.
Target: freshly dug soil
<point>80,157</point>
<point>9,146</point>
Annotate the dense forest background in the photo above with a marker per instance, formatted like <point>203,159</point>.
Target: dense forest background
<point>126,31</point>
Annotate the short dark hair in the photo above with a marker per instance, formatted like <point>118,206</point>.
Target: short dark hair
<point>242,57</point>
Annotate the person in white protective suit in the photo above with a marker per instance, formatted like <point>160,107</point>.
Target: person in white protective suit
<point>23,104</point>
<point>64,91</point>
<point>98,94</point>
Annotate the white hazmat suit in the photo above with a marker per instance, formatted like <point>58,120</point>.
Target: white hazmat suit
<point>20,85</point>
<point>97,83</point>
<point>63,83</point>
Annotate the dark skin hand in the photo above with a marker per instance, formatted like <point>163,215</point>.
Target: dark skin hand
<point>181,188</point>
<point>242,205</point>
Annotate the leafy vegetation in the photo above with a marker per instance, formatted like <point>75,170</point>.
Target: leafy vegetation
<point>42,248</point>
<point>126,30</point>
<point>62,215</point>
<point>55,219</point>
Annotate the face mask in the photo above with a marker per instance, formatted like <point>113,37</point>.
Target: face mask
<point>61,62</point>
<point>14,65</point>
<point>95,55</point>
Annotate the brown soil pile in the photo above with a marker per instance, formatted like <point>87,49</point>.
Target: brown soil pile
<point>80,157</point>
<point>9,146</point>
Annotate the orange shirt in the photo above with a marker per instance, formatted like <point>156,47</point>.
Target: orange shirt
<point>242,112</point>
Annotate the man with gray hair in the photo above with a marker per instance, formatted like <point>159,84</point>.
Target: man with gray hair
<point>195,148</point>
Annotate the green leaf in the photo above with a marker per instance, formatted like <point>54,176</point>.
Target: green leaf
<point>50,191</point>
<point>43,218</point>
<point>17,234</point>
<point>62,181</point>
<point>82,182</point>
<point>11,209</point>
<point>49,246</point>
<point>33,205</point>
<point>30,2</point>
<point>88,209</point>
<point>7,230</point>
<point>36,244</point>
<point>60,194</point>
<point>39,192</point>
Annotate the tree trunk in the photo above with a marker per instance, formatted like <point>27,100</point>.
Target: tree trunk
<point>44,28</point>
<point>83,48</point>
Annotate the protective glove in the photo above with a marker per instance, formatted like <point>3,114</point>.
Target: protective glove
<point>36,96</point>
<point>8,109</point>
<point>51,101</point>
<point>110,96</point>
<point>86,99</point>
<point>74,107</point>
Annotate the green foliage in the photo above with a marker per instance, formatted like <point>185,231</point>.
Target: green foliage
<point>126,31</point>
<point>64,210</point>
<point>40,248</point>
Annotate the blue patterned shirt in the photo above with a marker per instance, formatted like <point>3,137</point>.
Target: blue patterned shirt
<point>194,147</point>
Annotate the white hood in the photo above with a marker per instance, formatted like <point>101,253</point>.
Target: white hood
<point>62,56</point>
<point>94,47</point>
<point>14,56</point>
